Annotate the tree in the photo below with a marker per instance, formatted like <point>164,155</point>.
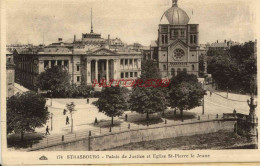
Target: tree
<point>185,92</point>
<point>71,108</point>
<point>25,112</point>
<point>149,70</point>
<point>234,68</point>
<point>54,79</point>
<point>112,102</point>
<point>147,100</point>
<point>201,65</point>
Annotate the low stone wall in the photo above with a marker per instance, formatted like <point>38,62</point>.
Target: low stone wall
<point>77,145</point>
<point>111,140</point>
<point>168,131</point>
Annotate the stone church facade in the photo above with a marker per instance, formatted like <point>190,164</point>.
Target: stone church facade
<point>177,46</point>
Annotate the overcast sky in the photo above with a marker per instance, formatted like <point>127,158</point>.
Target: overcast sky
<point>131,20</point>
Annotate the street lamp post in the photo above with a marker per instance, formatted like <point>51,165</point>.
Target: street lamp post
<point>203,102</point>
<point>51,120</point>
<point>51,99</point>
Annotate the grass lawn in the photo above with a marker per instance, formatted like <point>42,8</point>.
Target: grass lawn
<point>219,140</point>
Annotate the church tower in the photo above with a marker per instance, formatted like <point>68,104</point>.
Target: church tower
<point>176,48</point>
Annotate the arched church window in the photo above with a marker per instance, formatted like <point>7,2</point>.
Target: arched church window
<point>191,39</point>
<point>178,71</point>
<point>173,72</point>
<point>185,70</point>
<point>193,67</point>
<point>178,54</point>
<point>162,39</point>
<point>164,67</point>
<point>166,39</point>
<point>195,39</point>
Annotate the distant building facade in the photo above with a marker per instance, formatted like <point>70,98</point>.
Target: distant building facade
<point>177,46</point>
<point>10,73</point>
<point>222,45</point>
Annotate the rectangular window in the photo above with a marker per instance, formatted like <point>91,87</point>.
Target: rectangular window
<point>122,61</point>
<point>59,62</point>
<point>130,61</point>
<point>122,75</point>
<point>126,74</point>
<point>77,67</point>
<point>78,78</point>
<point>126,61</point>
<point>52,63</point>
<point>66,63</point>
<point>135,74</point>
<point>131,74</point>
<point>46,63</point>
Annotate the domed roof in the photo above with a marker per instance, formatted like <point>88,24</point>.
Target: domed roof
<point>176,16</point>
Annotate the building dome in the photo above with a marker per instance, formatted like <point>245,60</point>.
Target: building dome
<point>176,16</point>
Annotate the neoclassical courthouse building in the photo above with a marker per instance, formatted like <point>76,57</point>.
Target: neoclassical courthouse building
<point>88,59</point>
<point>95,58</point>
<point>177,47</point>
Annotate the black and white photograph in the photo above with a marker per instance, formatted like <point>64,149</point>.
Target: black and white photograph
<point>117,76</point>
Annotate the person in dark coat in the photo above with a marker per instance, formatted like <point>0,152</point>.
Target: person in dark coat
<point>67,120</point>
<point>96,121</point>
<point>126,117</point>
<point>87,100</point>
<point>47,130</point>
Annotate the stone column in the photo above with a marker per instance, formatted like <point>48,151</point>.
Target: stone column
<point>107,73</point>
<point>96,70</point>
<point>49,63</point>
<point>88,72</point>
<point>55,63</point>
<point>62,63</point>
<point>133,63</point>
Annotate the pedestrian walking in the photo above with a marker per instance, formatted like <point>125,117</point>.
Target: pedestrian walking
<point>87,100</point>
<point>96,121</point>
<point>126,117</point>
<point>64,112</point>
<point>210,93</point>
<point>47,130</point>
<point>67,120</point>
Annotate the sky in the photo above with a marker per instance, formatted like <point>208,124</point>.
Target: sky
<point>38,21</point>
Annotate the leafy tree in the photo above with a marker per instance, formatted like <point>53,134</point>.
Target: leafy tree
<point>147,100</point>
<point>149,70</point>
<point>185,92</point>
<point>234,68</point>
<point>201,65</point>
<point>25,112</point>
<point>112,101</point>
<point>54,79</point>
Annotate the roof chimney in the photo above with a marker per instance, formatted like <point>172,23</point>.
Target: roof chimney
<point>74,38</point>
<point>225,41</point>
<point>217,41</point>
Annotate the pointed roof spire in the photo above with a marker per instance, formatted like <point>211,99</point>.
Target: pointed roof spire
<point>91,23</point>
<point>174,3</point>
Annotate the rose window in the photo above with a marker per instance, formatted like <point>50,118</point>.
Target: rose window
<point>178,54</point>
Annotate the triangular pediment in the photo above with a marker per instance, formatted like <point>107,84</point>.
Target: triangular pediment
<point>102,51</point>
<point>178,41</point>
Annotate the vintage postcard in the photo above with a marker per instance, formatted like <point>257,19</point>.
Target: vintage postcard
<point>129,81</point>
